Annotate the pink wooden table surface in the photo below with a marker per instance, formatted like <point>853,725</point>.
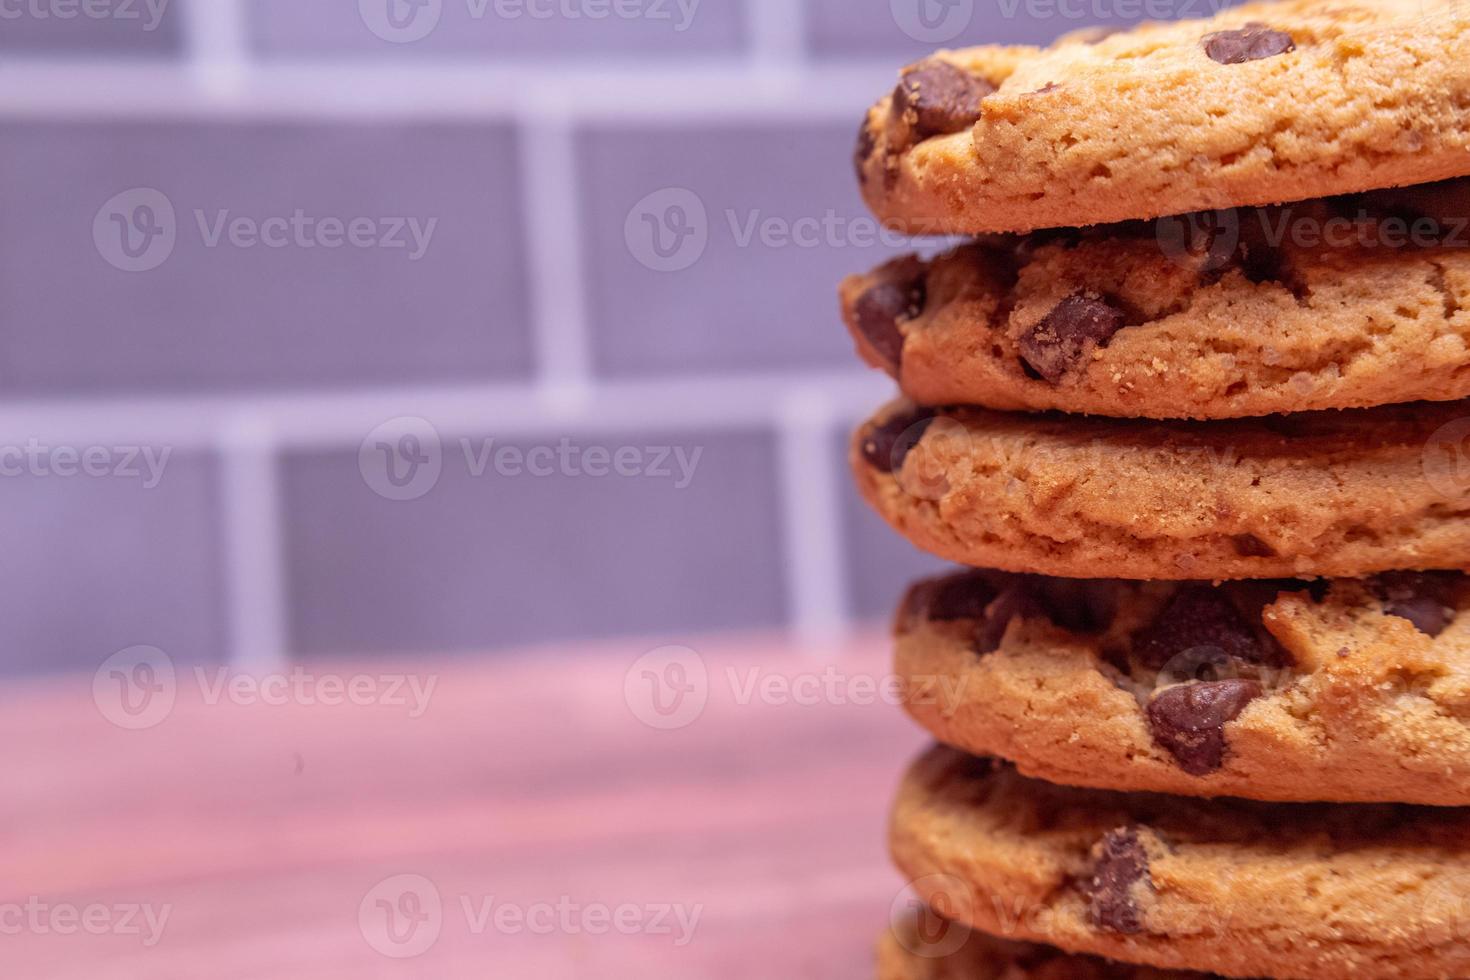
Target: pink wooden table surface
<point>528,799</point>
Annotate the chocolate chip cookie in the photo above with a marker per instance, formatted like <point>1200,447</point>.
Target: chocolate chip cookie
<point>1232,887</point>
<point>1346,690</point>
<point>925,947</point>
<point>1343,494</point>
<point>1264,103</point>
<point>1343,303</point>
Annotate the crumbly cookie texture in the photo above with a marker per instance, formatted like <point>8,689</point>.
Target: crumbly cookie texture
<point>1264,103</point>
<point>925,947</point>
<point>1342,494</point>
<point>1346,690</point>
<point>1226,886</point>
<point>1344,303</point>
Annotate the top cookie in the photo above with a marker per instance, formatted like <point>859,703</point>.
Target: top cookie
<point>1264,103</point>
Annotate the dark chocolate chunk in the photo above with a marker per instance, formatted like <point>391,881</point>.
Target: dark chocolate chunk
<point>1425,599</point>
<point>879,312</point>
<point>961,597</point>
<point>1016,601</point>
<point>1076,327</point>
<point>939,97</point>
<point>886,446</point>
<point>866,144</point>
<point>1120,863</point>
<point>1249,43</point>
<point>1189,720</point>
<point>1203,623</point>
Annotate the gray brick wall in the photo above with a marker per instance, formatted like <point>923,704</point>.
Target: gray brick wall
<point>629,231</point>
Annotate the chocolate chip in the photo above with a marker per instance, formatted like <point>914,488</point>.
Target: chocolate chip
<point>1189,720</point>
<point>1119,863</point>
<point>1079,325</point>
<point>879,312</point>
<point>1425,599</point>
<point>939,98</point>
<point>1079,605</point>
<point>1250,546</point>
<point>961,597</point>
<point>886,446</point>
<point>1016,601</point>
<point>866,144</point>
<point>1249,43</point>
<point>1202,620</point>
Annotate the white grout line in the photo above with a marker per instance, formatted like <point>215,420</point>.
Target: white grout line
<point>552,229</point>
<point>813,539</point>
<point>254,564</point>
<point>235,87</point>
<point>778,31</point>
<point>216,48</point>
<point>686,403</point>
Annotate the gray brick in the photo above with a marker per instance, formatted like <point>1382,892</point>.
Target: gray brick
<point>725,297</point>
<point>228,317</point>
<point>96,564</point>
<point>487,561</point>
<point>126,28</point>
<point>501,28</point>
<point>906,30</point>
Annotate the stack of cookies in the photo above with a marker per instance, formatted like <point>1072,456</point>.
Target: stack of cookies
<point>1203,688</point>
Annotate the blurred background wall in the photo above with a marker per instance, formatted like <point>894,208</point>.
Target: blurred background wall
<point>418,326</point>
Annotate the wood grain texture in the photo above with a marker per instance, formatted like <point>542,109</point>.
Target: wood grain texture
<point>527,782</point>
